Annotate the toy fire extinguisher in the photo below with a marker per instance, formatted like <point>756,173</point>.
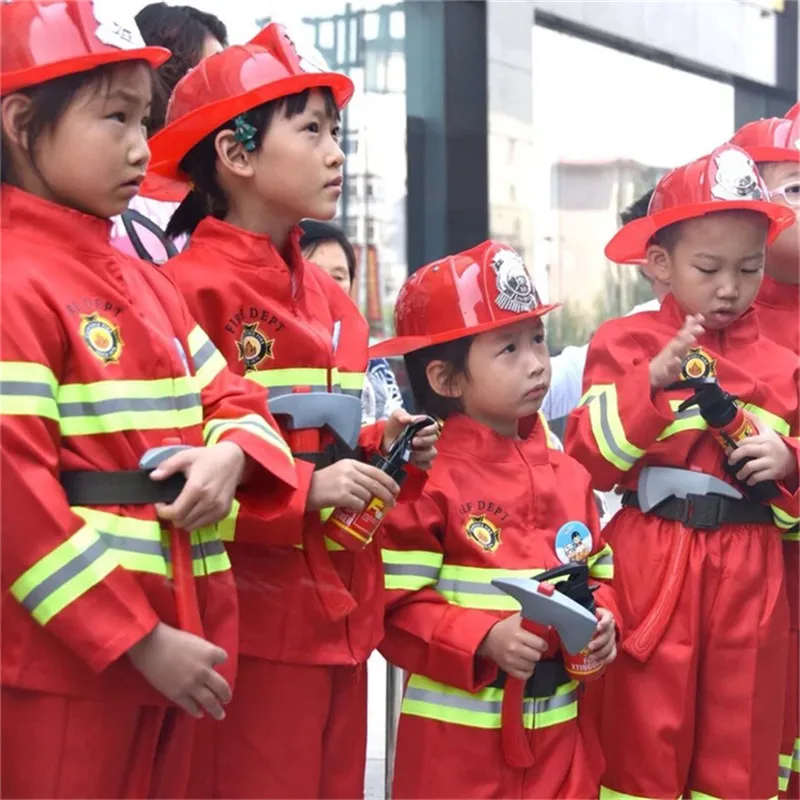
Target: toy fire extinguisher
<point>729,424</point>
<point>354,530</point>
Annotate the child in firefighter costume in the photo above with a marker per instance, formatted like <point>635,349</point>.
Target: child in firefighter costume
<point>109,642</point>
<point>774,144</point>
<point>256,128</point>
<point>694,704</point>
<point>499,502</point>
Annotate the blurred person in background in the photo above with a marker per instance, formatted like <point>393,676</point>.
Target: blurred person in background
<point>190,35</point>
<point>328,247</point>
<point>566,387</point>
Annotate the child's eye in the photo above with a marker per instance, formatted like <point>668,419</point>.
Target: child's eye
<point>539,338</point>
<point>509,348</point>
<point>752,271</point>
<point>118,116</point>
<point>313,127</point>
<point>337,132</point>
<point>706,271</point>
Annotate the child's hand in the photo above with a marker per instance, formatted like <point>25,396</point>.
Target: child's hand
<point>423,445</point>
<point>772,458</point>
<point>350,484</point>
<point>212,475</point>
<point>666,367</point>
<point>512,648</point>
<point>181,665</point>
<point>604,642</point>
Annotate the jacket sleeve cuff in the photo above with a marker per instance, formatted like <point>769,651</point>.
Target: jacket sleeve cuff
<point>644,413</point>
<point>454,647</point>
<point>275,460</point>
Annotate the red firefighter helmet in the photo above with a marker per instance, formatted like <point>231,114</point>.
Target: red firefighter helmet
<point>726,180</point>
<point>52,38</point>
<point>793,112</point>
<point>475,291</point>
<point>774,139</point>
<point>230,83</point>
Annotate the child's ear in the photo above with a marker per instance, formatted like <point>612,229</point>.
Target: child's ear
<point>13,112</point>
<point>441,379</point>
<point>232,155</point>
<point>659,263</point>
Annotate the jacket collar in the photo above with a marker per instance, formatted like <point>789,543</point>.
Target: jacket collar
<point>45,220</point>
<point>464,436</point>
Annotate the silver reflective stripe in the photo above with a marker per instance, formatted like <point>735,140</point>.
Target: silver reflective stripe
<point>411,569</point>
<point>605,560</point>
<point>531,705</point>
<point>467,587</point>
<point>120,404</point>
<point>212,547</point>
<point>280,391</point>
<point>62,576</point>
<point>132,545</point>
<point>26,388</point>
<point>203,355</point>
<point>609,436</point>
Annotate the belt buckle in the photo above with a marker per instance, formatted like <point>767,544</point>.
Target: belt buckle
<point>703,511</point>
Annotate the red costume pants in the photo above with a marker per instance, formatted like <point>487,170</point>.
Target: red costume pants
<point>790,745</point>
<point>437,759</point>
<point>703,715</point>
<point>54,746</point>
<point>291,731</point>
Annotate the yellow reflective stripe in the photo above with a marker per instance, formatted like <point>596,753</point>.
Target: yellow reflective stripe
<point>601,563</point>
<point>792,535</point>
<point>349,382</point>
<point>207,360</point>
<point>610,794</point>
<point>226,528</point>
<point>688,420</point>
<point>64,574</point>
<point>591,393</point>
<point>470,587</point>
<point>298,376</point>
<point>777,424</point>
<point>410,570</point>
<point>608,430</point>
<point>114,406</point>
<point>139,545</point>
<point>796,756</point>
<point>432,700</point>
<point>250,423</point>
<point>784,772</point>
<point>783,520</point>
<point>28,389</point>
<point>208,552</point>
<point>550,438</point>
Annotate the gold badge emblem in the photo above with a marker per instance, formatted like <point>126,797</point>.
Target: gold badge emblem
<point>481,531</point>
<point>254,347</point>
<point>698,364</point>
<point>102,338</point>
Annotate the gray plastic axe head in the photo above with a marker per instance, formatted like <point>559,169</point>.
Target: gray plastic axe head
<point>575,624</point>
<point>156,456</point>
<point>658,483</point>
<point>341,413</point>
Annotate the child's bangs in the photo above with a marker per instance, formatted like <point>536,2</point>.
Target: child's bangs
<point>295,104</point>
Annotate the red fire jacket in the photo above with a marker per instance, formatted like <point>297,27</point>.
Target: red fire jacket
<point>285,325</point>
<point>778,306</point>
<point>100,362</point>
<point>493,507</point>
<point>621,427</point>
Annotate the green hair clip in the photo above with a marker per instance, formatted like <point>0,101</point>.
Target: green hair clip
<point>244,132</point>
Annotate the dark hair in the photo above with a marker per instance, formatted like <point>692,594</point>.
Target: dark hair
<point>455,355</point>
<point>49,102</point>
<point>206,197</point>
<point>669,236</point>
<point>637,209</point>
<point>183,30</point>
<point>316,233</point>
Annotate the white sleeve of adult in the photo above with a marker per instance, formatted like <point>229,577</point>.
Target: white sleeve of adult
<point>566,383</point>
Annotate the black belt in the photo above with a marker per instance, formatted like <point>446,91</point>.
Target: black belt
<point>705,511</point>
<point>120,488</point>
<point>546,678</point>
<point>330,455</point>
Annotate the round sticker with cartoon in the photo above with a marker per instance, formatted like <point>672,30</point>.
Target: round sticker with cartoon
<point>573,543</point>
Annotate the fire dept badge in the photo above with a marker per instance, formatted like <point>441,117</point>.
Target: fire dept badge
<point>736,177</point>
<point>698,364</point>
<point>573,542</point>
<point>483,533</point>
<point>253,346</point>
<point>515,290</point>
<point>102,338</point>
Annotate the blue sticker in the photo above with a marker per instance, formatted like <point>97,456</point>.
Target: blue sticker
<point>573,543</point>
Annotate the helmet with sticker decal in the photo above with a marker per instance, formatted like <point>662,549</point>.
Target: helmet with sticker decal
<point>725,180</point>
<point>477,290</point>
<point>772,139</point>
<point>49,39</point>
